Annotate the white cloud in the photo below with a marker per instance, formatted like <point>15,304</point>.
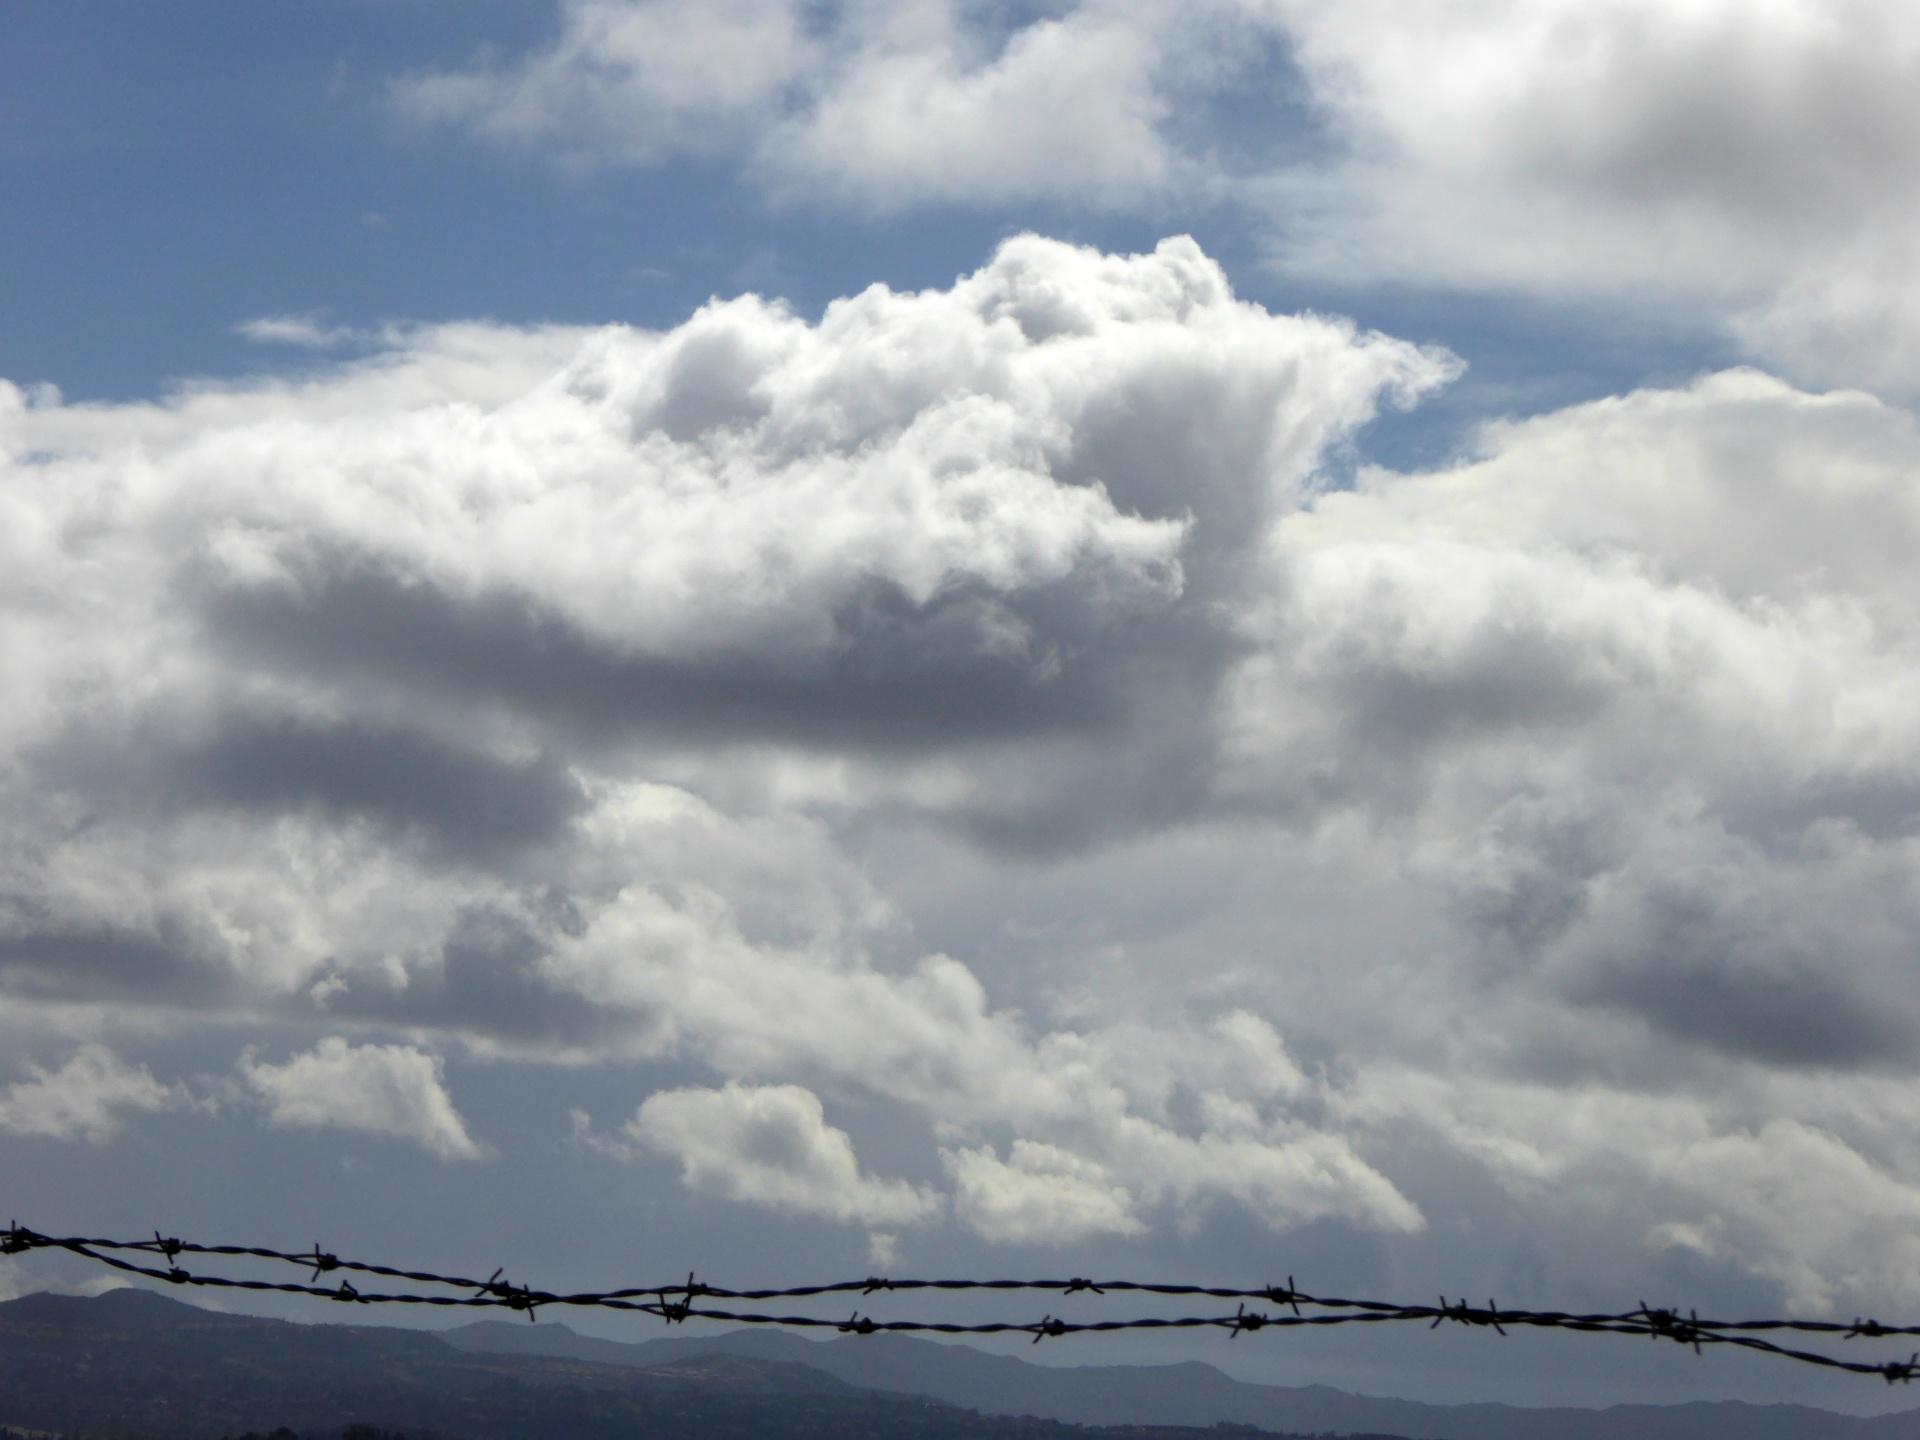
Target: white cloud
<point>637,81</point>
<point>1757,163</point>
<point>320,627</point>
<point>392,1090</point>
<point>356,700</point>
<point>886,104</point>
<point>730,484</point>
<point>1772,1177</point>
<point>925,112</point>
<point>973,707</point>
<point>305,331</point>
<point>1042,1194</point>
<point>771,1145</point>
<point>930,1039</point>
<point>87,1098</point>
<point>1747,168</point>
<point>1633,695</point>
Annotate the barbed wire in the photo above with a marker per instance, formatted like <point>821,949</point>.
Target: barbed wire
<point>676,1302</point>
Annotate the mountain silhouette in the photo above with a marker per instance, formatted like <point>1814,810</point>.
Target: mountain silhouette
<point>133,1365</point>
<point>1187,1394</point>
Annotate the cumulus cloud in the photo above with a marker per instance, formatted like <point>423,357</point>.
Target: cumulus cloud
<point>352,662</point>
<point>518,686</point>
<point>1041,1194</point>
<point>641,82</point>
<point>85,1099</point>
<point>771,1145</point>
<point>1752,169</point>
<point>887,105</point>
<point>392,1090</point>
<point>1810,1183</point>
<point>930,1038</point>
<point>1629,695</point>
<point>978,707</point>
<point>1759,162</point>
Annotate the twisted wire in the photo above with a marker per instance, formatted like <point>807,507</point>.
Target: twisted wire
<point>678,1301</point>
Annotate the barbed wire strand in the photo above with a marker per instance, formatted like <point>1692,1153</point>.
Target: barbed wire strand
<point>676,1302</point>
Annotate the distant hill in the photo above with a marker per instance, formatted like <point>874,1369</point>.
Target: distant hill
<point>1189,1394</point>
<point>132,1365</point>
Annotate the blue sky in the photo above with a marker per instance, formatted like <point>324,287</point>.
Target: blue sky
<point>177,172</point>
<point>1098,636</point>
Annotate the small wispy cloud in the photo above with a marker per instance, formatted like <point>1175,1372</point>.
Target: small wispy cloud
<point>306,332</point>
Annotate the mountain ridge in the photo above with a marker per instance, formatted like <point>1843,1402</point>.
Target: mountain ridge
<point>140,1365</point>
<point>134,1365</point>
<point>1193,1393</point>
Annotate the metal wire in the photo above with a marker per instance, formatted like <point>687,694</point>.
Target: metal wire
<point>1293,1308</point>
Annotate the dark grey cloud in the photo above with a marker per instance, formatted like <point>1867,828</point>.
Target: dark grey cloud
<point>1759,960</point>
<point>91,963</point>
<point>1798,1014</point>
<point>895,675</point>
<point>464,802</point>
<point>486,980</point>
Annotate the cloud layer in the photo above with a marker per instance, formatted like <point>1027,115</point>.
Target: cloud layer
<point>522,688</point>
<point>1751,169</point>
<point>979,709</point>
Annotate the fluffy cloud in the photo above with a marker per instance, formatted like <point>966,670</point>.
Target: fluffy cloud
<point>888,105</point>
<point>1042,1194</point>
<point>1759,161</point>
<point>771,1145</point>
<point>1751,168</point>
<point>392,1090</point>
<point>329,681</point>
<point>1809,1183</point>
<point>930,1038</point>
<point>1640,686</point>
<point>1631,695</point>
<point>86,1099</point>
<point>640,81</point>
<point>519,686</point>
<point>977,708</point>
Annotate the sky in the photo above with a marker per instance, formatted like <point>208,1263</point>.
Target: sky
<point>794,638</point>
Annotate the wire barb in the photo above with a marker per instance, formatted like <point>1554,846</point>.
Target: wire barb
<point>1284,1296</point>
<point>1899,1372</point>
<point>1667,1325</point>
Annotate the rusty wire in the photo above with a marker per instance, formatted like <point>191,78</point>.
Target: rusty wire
<point>676,1302</point>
